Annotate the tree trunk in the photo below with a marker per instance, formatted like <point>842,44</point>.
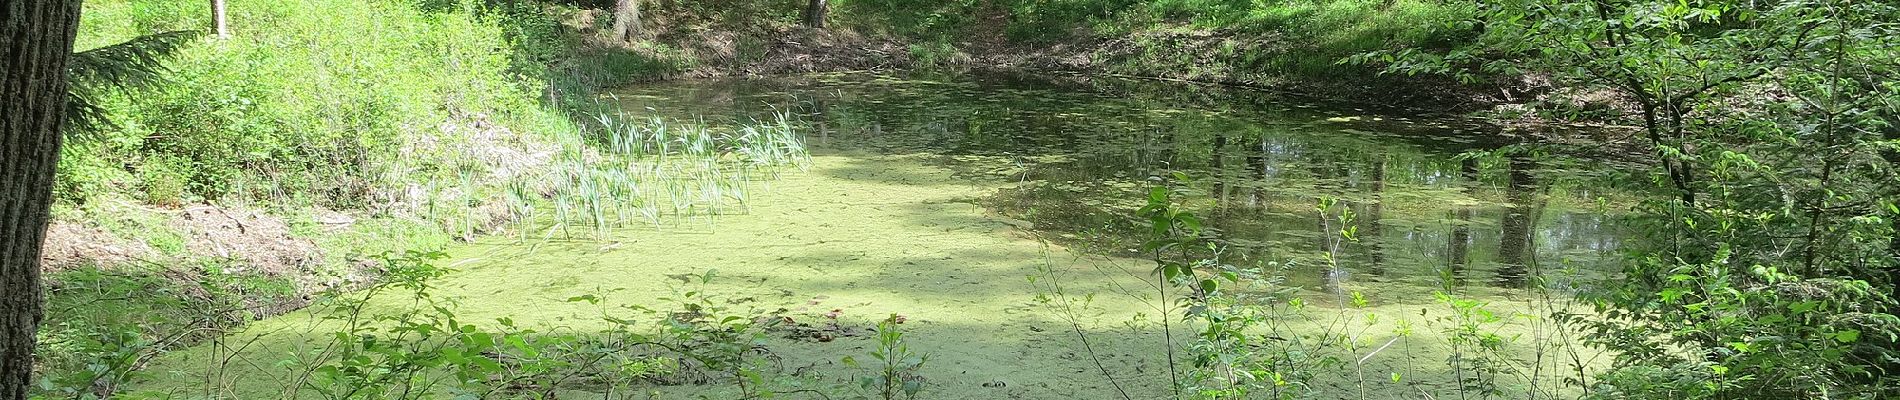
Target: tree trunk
<point>815,14</point>
<point>1460,241</point>
<point>1514,244</point>
<point>217,17</point>
<point>1218,160</point>
<point>626,20</point>
<point>1374,234</point>
<point>38,39</point>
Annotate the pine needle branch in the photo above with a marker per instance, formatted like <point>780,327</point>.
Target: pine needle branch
<point>124,67</point>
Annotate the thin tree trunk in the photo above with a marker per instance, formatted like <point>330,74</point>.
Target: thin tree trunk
<point>217,17</point>
<point>1374,235</point>
<point>1514,244</point>
<point>36,39</point>
<point>1218,161</point>
<point>626,20</point>
<point>1460,241</point>
<point>815,14</point>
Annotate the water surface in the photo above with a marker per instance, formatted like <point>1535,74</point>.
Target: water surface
<point>938,198</point>
<point>1427,207</point>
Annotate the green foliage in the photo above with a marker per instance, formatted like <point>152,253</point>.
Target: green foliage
<point>165,180</point>
<point>919,19</point>
<point>1236,352</point>
<point>895,374</point>
<point>1254,335</point>
<point>421,349</point>
<point>104,325</point>
<point>647,169</point>
<point>1277,39</point>
<point>933,54</point>
<point>1056,20</point>
<point>123,67</point>
<point>96,330</point>
<point>1477,349</point>
<point>1767,266</point>
<point>392,106</point>
<point>411,116</point>
<point>312,101</point>
<point>1337,25</point>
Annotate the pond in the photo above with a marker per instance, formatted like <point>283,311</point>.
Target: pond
<point>1083,154</point>
<point>996,213</point>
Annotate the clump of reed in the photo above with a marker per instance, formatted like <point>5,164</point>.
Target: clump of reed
<point>624,170</point>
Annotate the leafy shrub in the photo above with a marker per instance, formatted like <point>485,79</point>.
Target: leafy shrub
<point>165,180</point>
<point>932,55</point>
<point>104,325</point>
<point>313,101</point>
<point>1767,259</point>
<point>895,373</point>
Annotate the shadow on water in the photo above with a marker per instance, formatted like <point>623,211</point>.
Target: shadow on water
<point>920,194</point>
<point>1426,209</point>
<point>873,234</point>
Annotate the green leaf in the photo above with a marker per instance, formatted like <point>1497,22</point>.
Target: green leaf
<point>1847,336</point>
<point>1192,223</point>
<point>485,364</point>
<point>912,387</point>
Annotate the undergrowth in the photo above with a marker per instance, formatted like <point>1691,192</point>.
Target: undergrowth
<point>396,339</point>
<point>421,121</point>
<point>1268,42</point>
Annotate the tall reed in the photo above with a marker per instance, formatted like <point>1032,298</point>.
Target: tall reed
<point>624,170</point>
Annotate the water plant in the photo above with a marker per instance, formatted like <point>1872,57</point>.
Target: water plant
<point>397,340</point>
<point>894,375</point>
<point>645,170</point>
<point>1254,335</point>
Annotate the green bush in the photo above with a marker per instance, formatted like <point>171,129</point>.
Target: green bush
<point>104,325</point>
<point>312,101</point>
<point>165,180</point>
<point>1302,39</point>
<point>1765,268</point>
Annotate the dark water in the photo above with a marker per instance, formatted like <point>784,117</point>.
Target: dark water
<point>1429,204</point>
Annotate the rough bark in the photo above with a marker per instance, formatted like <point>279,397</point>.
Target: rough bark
<point>626,20</point>
<point>223,25</point>
<point>815,14</point>
<point>36,39</point>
